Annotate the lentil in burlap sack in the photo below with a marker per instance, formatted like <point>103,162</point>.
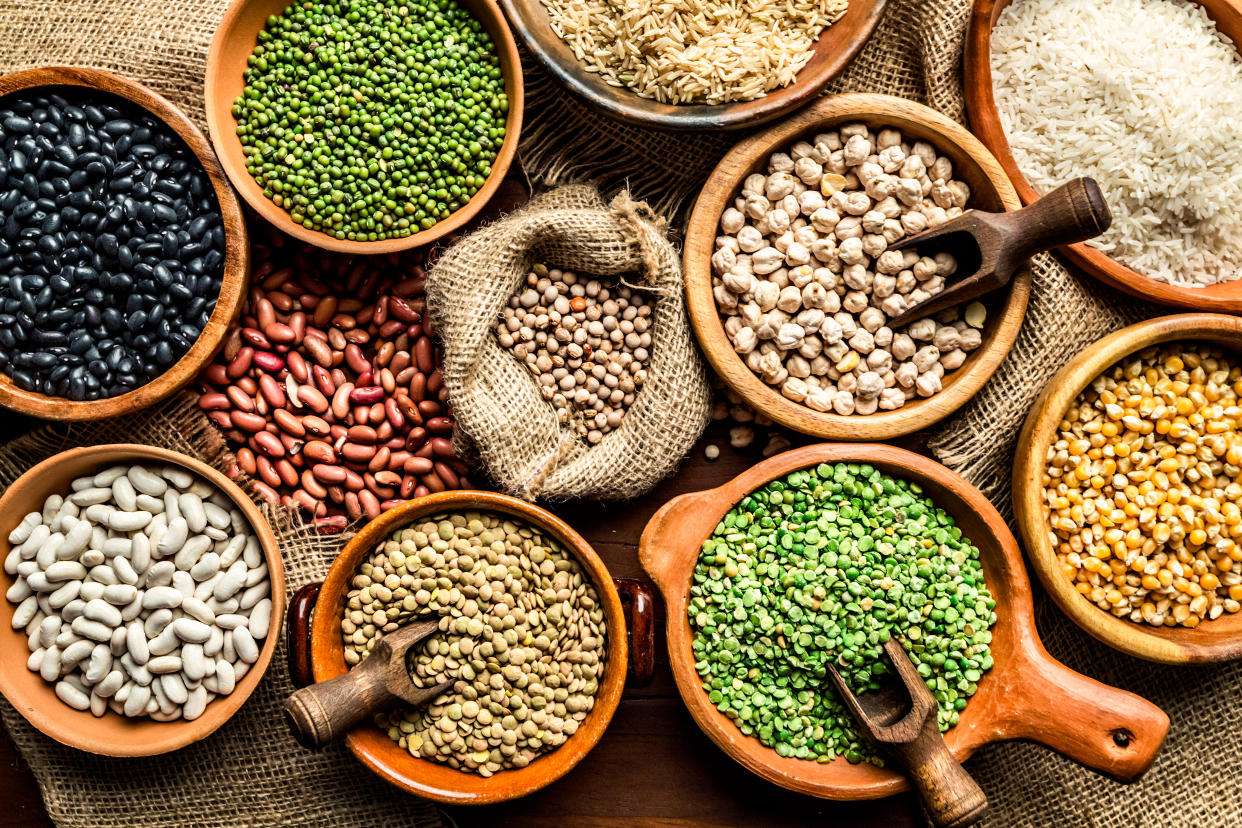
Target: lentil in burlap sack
<point>500,414</point>
<point>249,772</point>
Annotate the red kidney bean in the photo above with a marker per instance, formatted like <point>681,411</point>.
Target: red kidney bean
<point>216,375</point>
<point>356,453</point>
<point>213,401</point>
<point>381,459</point>
<point>247,421</point>
<point>418,465</point>
<point>435,382</point>
<point>433,483</point>
<point>429,408</point>
<point>354,481</point>
<point>331,475</point>
<point>281,301</point>
<point>395,417</point>
<point>309,503</point>
<point>424,355</point>
<point>241,362</point>
<point>332,525</point>
<point>415,438</point>
<point>247,460</point>
<point>336,494</point>
<point>265,491</point>
<point>269,444</point>
<point>420,491</point>
<point>340,401</point>
<point>268,474</point>
<point>288,474</point>
<point>220,418</point>
<point>311,484</point>
<point>353,507</point>
<point>297,366</point>
<point>425,450</point>
<point>385,354</point>
<point>447,475</point>
<point>313,398</point>
<point>362,434</point>
<point>370,504</point>
<point>400,309</point>
<point>272,363</point>
<point>318,451</point>
<point>325,310</point>
<point>366,395</point>
<point>288,423</point>
<point>355,360</point>
<point>273,392</point>
<point>362,414</point>
<point>239,398</point>
<point>255,337</point>
<point>316,425</point>
<point>440,425</point>
<point>318,350</point>
<point>441,446</point>
<point>247,385</point>
<point>264,313</point>
<point>323,380</point>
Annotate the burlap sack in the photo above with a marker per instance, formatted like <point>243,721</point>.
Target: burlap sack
<point>501,417</point>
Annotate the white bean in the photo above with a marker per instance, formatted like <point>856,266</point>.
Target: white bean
<point>245,646</point>
<point>260,618</point>
<point>72,696</point>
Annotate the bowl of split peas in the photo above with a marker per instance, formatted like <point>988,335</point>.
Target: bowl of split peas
<point>1126,488</point>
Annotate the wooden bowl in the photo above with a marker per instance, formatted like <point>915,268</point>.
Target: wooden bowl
<point>833,51</point>
<point>34,698</point>
<point>230,50</point>
<point>432,779</point>
<point>990,190</point>
<point>236,256</point>
<point>1026,695</point>
<point>1218,640</point>
<point>1225,297</point>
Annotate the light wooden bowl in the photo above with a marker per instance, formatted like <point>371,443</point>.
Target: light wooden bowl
<point>833,51</point>
<point>990,190</point>
<point>34,698</point>
<point>1218,640</point>
<point>230,50</point>
<point>1026,695</point>
<point>985,122</point>
<point>236,256</point>
<point>432,779</point>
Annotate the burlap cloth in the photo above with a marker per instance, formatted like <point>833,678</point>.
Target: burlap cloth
<point>916,53</point>
<point>501,415</point>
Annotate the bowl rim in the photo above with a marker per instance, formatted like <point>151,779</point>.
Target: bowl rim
<point>233,281</point>
<point>559,61</point>
<point>985,122</point>
<point>223,131</point>
<point>1167,645</point>
<point>396,765</point>
<point>60,722</point>
<point>709,328</point>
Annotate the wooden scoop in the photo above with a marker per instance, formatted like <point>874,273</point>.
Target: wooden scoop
<point>989,247</point>
<point>324,712</point>
<point>900,718</point>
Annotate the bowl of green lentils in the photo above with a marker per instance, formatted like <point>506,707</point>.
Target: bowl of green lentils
<point>364,126</point>
<point>821,555</point>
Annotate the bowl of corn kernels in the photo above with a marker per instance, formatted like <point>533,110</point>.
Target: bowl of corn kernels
<point>1127,489</point>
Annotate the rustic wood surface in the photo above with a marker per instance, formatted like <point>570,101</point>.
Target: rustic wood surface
<point>985,122</point>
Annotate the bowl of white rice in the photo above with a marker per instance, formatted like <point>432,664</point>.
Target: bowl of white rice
<point>1141,95</point>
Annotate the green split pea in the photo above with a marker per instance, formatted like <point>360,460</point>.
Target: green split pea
<point>829,563</point>
<point>372,119</point>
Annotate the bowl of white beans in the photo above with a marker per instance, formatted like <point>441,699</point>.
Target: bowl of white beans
<point>143,592</point>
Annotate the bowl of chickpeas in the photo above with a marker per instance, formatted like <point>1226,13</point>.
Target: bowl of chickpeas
<point>1126,488</point>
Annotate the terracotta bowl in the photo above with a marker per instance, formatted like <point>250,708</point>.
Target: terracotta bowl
<point>990,190</point>
<point>833,51</point>
<point>1026,695</point>
<point>236,255</point>
<point>231,47</point>
<point>985,122</point>
<point>317,612</point>
<point>1218,640</point>
<point>34,698</point>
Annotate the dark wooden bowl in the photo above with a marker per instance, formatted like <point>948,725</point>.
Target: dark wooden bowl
<point>1216,640</point>
<point>35,699</point>
<point>236,255</point>
<point>231,47</point>
<point>835,48</point>
<point>422,776</point>
<point>1225,297</point>
<point>990,190</point>
<point>1026,695</point>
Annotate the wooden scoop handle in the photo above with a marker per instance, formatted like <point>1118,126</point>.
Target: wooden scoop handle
<point>952,798</point>
<point>1071,213</point>
<point>324,712</point>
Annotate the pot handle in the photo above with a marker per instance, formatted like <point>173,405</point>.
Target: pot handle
<point>638,604</point>
<point>1108,729</point>
<point>297,632</point>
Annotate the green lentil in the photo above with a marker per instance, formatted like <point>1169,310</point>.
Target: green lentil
<point>372,119</point>
<point>828,563</point>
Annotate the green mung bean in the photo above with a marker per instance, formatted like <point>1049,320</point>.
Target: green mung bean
<point>372,119</point>
<point>829,563</point>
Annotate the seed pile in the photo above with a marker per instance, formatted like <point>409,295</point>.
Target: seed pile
<point>687,52</point>
<point>587,343</point>
<point>1150,112</point>
<point>111,245</point>
<point>1142,491</point>
<point>330,387</point>
<point>806,282</point>
<point>372,119</point>
<point>522,638</point>
<point>143,591</point>
<point>829,563</point>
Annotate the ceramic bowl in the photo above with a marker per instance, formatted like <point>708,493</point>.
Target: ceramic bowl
<point>833,51</point>
<point>990,190</point>
<point>1217,640</point>
<point>230,50</point>
<point>985,122</point>
<point>324,606</point>
<point>1026,695</point>
<point>34,698</point>
<point>236,255</point>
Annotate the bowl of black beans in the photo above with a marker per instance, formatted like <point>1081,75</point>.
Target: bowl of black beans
<point>123,251</point>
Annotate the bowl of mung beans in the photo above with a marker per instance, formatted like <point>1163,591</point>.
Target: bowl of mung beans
<point>533,635</point>
<point>827,551</point>
<point>364,126</point>
<point>1126,493</point>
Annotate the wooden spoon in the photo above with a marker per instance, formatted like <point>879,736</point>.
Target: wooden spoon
<point>900,717</point>
<point>989,247</point>
<point>324,712</point>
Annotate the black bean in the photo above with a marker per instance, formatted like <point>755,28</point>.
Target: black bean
<point>18,125</point>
